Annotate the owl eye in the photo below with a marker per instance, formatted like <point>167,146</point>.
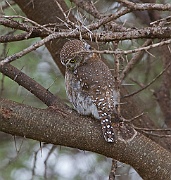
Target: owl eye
<point>72,61</point>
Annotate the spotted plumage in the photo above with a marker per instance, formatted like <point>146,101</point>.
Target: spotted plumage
<point>90,85</point>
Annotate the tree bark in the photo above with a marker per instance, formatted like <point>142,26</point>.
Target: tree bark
<point>64,126</point>
<point>44,12</point>
<point>70,129</point>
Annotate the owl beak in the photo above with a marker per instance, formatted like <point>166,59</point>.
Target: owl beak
<point>70,66</point>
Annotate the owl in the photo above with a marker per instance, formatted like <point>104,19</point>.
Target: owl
<point>90,85</point>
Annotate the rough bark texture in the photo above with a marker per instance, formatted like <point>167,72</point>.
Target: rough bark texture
<point>149,159</point>
<point>163,94</point>
<point>44,13</point>
<point>65,127</point>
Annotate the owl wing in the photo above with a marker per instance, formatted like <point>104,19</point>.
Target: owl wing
<point>97,82</point>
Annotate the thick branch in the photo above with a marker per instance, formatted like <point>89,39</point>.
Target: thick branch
<point>18,37</point>
<point>51,10</point>
<point>149,159</point>
<point>35,31</point>
<point>163,95</point>
<point>28,83</point>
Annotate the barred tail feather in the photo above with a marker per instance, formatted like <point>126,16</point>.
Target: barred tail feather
<point>107,129</point>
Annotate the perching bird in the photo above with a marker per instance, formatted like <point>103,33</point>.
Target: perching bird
<point>90,85</point>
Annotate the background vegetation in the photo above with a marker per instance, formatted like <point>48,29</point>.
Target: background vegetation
<point>150,72</point>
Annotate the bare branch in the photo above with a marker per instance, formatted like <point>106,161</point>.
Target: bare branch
<point>148,32</point>
<point>9,22</point>
<point>27,50</point>
<point>54,128</point>
<point>109,18</point>
<point>117,80</point>
<point>17,37</point>
<point>146,6</point>
<point>28,83</point>
<point>30,21</point>
<point>7,4</point>
<point>86,31</point>
<point>68,22</point>
<point>112,174</point>
<point>137,57</point>
<point>118,51</point>
<point>136,92</point>
<point>149,129</point>
<point>134,118</point>
<point>47,157</point>
<point>158,135</point>
<point>162,22</point>
<point>155,134</point>
<point>88,6</point>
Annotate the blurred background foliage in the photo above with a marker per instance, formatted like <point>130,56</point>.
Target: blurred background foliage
<point>24,159</point>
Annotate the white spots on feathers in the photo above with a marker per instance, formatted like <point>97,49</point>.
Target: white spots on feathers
<point>108,126</point>
<point>102,99</point>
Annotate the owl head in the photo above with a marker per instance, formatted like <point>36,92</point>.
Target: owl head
<point>70,56</point>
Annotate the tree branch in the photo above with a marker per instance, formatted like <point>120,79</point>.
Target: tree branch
<point>149,84</point>
<point>13,38</point>
<point>70,129</point>
<point>40,31</point>
<point>134,60</point>
<point>146,6</point>
<point>8,21</point>
<point>55,46</point>
<point>28,83</point>
<point>149,159</point>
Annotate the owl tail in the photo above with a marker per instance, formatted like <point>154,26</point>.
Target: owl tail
<point>107,129</point>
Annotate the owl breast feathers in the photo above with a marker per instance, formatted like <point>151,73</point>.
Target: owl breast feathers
<point>90,85</point>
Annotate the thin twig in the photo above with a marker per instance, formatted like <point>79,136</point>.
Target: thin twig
<point>27,50</point>
<point>30,21</point>
<point>118,51</point>
<point>148,129</point>
<point>136,92</point>
<point>163,21</point>
<point>108,18</point>
<point>7,5</point>
<point>134,118</point>
<point>134,60</point>
<point>112,174</point>
<point>67,21</point>
<point>88,7</point>
<point>35,161</point>
<point>158,135</point>
<point>117,80</point>
<point>47,157</point>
